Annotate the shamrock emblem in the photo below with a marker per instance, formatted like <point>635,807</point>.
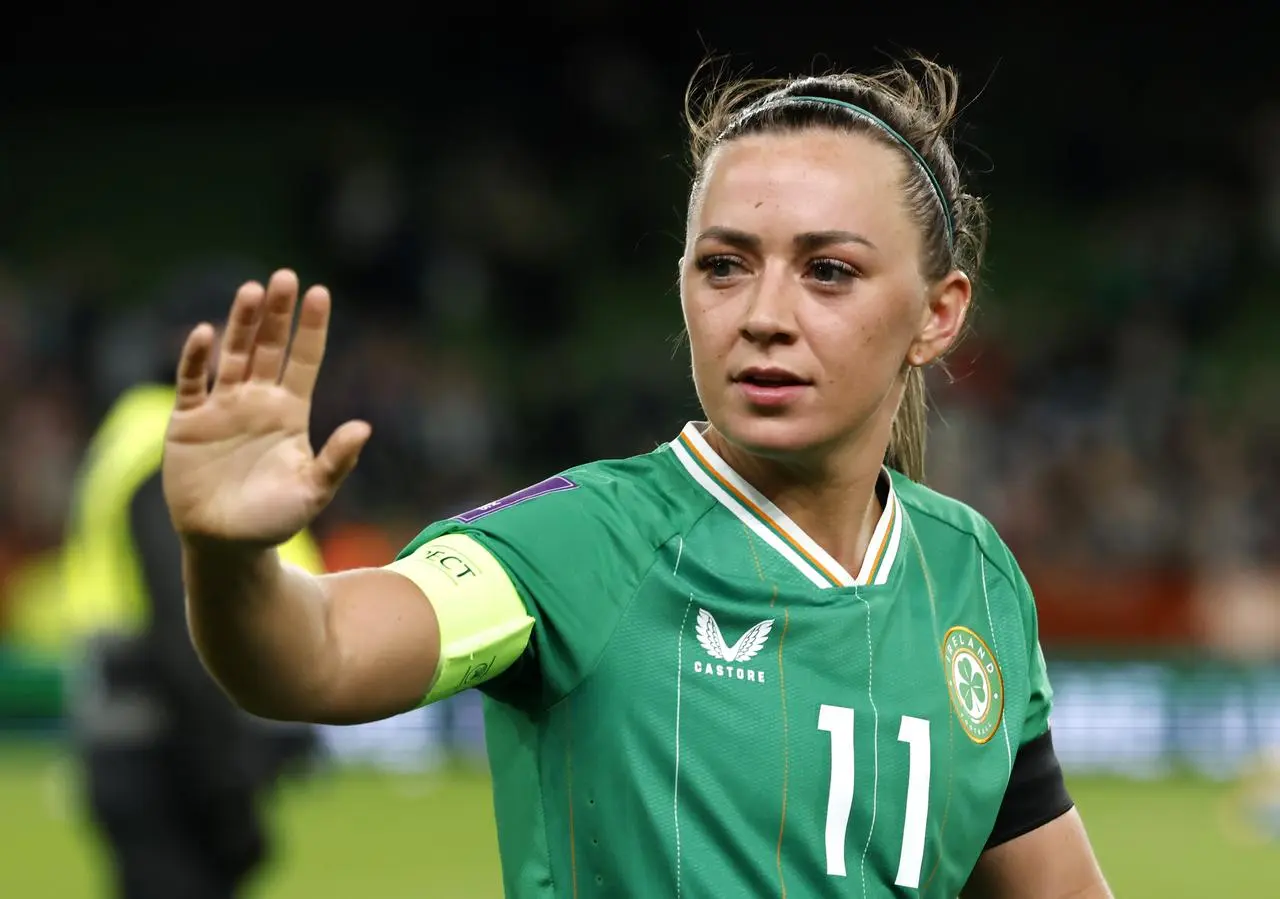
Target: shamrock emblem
<point>971,686</point>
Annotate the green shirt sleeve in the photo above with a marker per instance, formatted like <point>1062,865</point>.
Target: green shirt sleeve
<point>576,559</point>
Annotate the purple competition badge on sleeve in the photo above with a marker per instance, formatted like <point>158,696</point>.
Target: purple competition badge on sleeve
<point>555,484</point>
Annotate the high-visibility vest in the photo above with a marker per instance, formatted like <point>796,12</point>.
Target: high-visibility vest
<point>33,591</point>
<point>102,574</point>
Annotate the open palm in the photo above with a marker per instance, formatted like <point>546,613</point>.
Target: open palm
<point>238,461</point>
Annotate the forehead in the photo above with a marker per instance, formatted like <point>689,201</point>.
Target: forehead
<point>808,180</point>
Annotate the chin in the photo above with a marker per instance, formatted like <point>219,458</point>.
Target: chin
<point>785,435</point>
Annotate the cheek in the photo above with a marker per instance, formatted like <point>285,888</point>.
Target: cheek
<point>862,354</point>
<point>710,326</point>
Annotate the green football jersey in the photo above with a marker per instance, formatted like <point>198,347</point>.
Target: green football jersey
<point>711,706</point>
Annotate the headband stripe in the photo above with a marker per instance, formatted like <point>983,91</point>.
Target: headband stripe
<point>883,126</point>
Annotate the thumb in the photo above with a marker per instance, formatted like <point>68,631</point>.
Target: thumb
<point>340,453</point>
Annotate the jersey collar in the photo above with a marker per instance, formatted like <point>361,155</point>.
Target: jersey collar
<point>769,522</point>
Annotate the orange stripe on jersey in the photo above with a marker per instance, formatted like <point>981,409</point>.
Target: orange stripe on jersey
<point>786,752</point>
<point>884,542</point>
<point>573,844</point>
<point>758,512</point>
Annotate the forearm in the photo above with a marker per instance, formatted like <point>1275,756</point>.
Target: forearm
<point>261,629</point>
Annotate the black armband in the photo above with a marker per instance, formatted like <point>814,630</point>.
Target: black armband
<point>1036,793</point>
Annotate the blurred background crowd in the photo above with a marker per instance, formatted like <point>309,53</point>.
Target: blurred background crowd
<point>502,251</point>
<point>501,233</point>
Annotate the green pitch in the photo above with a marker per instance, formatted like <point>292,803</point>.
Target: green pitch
<point>409,837</point>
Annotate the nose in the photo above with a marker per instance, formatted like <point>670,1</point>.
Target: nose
<point>770,315</point>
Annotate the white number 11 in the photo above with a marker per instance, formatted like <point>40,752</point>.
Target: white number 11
<point>838,721</point>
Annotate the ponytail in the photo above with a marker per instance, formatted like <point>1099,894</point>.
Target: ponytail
<point>910,426</point>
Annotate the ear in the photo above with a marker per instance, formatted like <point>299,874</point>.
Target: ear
<point>942,318</point>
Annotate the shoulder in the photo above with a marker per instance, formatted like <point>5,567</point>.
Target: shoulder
<point>638,500</point>
<point>944,523</point>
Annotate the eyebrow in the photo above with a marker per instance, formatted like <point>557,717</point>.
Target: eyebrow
<point>807,241</point>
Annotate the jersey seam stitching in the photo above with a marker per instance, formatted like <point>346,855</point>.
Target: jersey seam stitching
<point>982,550</point>
<point>625,608</point>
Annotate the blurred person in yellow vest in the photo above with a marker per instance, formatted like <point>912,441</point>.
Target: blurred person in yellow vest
<point>173,773</point>
<point>34,592</point>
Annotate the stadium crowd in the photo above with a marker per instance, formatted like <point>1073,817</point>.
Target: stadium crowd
<point>500,317</point>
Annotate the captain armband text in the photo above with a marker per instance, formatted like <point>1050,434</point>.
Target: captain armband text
<point>484,626</point>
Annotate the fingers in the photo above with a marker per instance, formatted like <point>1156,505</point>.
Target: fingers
<point>193,367</point>
<point>272,339</point>
<point>238,341</point>
<point>303,365</point>
<point>339,455</point>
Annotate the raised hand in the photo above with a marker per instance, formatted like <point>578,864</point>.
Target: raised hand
<point>238,463</point>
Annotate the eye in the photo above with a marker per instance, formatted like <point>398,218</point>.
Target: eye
<point>719,267</point>
<point>831,271</point>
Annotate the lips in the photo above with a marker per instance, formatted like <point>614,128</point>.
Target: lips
<point>770,376</point>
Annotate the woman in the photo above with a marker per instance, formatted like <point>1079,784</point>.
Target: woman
<point>760,660</point>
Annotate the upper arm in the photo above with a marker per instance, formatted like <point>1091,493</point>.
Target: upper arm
<point>1038,848</point>
<point>481,624</point>
<point>517,598</point>
<point>1035,792</point>
<point>385,644</point>
<point>1054,861</point>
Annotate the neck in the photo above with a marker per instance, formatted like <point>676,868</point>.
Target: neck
<point>833,500</point>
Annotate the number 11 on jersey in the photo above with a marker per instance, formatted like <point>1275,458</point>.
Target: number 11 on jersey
<point>838,722</point>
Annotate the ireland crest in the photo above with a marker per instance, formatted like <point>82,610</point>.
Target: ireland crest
<point>975,683</point>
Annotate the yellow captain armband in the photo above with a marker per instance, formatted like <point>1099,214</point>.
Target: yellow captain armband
<point>484,626</point>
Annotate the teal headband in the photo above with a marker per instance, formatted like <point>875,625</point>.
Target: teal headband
<point>884,126</point>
